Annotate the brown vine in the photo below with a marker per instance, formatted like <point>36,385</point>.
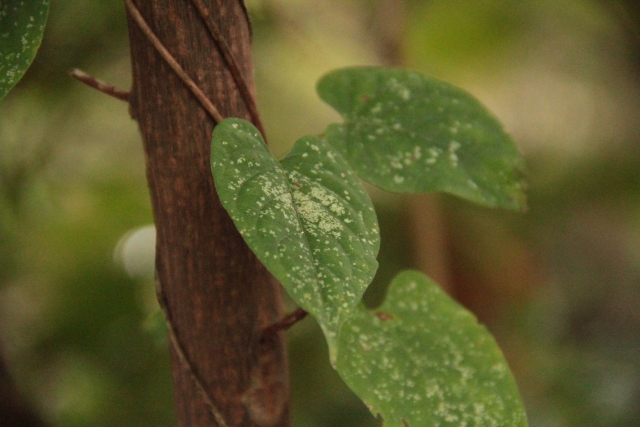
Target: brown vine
<point>171,61</point>
<point>179,349</point>
<point>232,64</point>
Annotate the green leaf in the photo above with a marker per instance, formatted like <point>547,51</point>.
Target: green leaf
<point>307,218</point>
<point>405,132</point>
<point>21,28</point>
<point>422,360</point>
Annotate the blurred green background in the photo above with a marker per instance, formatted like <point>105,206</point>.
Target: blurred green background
<point>559,286</point>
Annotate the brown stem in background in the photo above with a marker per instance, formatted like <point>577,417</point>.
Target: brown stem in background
<point>388,27</point>
<point>430,241</point>
<point>431,252</point>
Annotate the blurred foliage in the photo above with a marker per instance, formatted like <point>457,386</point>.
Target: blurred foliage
<point>559,286</point>
<point>21,29</point>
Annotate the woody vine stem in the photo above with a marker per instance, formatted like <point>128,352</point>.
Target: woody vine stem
<point>249,100</point>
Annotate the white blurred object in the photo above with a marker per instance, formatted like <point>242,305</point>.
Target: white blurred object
<point>135,252</point>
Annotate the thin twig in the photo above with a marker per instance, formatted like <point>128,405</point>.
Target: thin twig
<point>99,85</point>
<point>232,65</point>
<point>157,44</point>
<point>286,322</point>
<point>179,349</point>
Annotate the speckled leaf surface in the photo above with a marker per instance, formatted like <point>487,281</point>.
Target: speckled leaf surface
<point>307,218</point>
<point>422,360</point>
<point>21,28</point>
<point>405,132</point>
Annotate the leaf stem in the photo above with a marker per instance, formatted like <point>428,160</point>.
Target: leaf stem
<point>285,323</point>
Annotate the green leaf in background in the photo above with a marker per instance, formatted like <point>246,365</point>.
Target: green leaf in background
<point>422,360</point>
<point>21,28</point>
<point>405,132</point>
<point>307,218</point>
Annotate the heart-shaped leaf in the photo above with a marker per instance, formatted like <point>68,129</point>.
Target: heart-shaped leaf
<point>21,28</point>
<point>307,218</point>
<point>405,132</point>
<point>422,360</point>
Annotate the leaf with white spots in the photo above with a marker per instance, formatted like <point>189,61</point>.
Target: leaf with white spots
<point>405,132</point>
<point>307,218</point>
<point>423,360</point>
<point>21,28</point>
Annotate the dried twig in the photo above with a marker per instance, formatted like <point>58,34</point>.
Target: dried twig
<point>99,85</point>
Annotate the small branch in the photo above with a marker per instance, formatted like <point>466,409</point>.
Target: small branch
<point>99,85</point>
<point>157,44</point>
<point>232,64</point>
<point>177,346</point>
<point>286,322</point>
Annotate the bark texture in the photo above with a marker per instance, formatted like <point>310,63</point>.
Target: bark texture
<point>217,294</point>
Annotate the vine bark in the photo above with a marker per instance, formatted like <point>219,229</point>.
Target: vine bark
<point>218,298</point>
